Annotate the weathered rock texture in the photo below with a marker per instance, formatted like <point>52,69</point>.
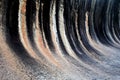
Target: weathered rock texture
<point>60,40</point>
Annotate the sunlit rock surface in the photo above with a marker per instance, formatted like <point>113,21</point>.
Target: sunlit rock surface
<point>60,40</point>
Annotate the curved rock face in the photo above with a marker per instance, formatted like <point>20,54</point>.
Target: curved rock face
<point>60,40</point>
